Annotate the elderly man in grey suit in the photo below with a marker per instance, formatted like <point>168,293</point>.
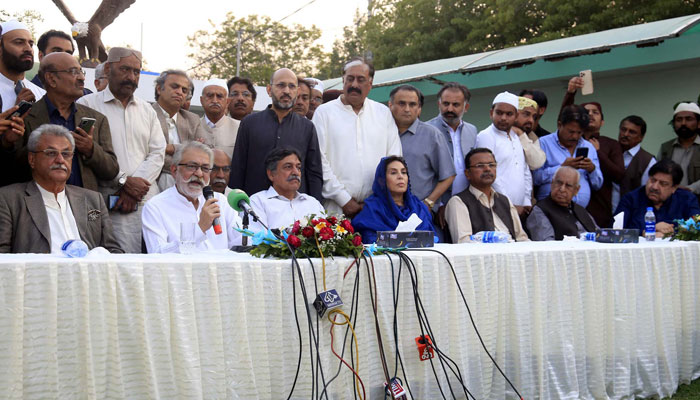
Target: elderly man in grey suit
<point>179,125</point>
<point>40,215</point>
<point>453,102</point>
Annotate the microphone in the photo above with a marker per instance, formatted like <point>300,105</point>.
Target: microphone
<point>239,201</point>
<point>208,193</point>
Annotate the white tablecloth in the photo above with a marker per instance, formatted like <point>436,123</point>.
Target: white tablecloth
<point>566,320</point>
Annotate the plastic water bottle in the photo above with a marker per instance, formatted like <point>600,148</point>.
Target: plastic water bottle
<point>490,237</point>
<point>74,248</point>
<point>587,236</point>
<point>650,225</point>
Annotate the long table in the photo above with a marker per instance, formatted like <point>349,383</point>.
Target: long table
<point>565,320</point>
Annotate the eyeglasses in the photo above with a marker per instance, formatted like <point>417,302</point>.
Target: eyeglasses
<point>217,169</point>
<point>484,165</point>
<point>73,71</point>
<point>245,94</point>
<point>281,86</point>
<point>317,99</point>
<point>195,167</point>
<point>53,153</point>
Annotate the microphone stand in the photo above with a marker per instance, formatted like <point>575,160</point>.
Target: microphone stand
<point>244,240</point>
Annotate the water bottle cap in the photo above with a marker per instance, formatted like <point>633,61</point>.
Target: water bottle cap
<point>66,244</point>
<point>650,208</point>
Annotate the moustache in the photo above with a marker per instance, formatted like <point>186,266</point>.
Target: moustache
<point>449,114</point>
<point>354,89</point>
<point>240,103</point>
<point>128,83</point>
<point>487,175</point>
<point>58,166</point>
<point>219,180</point>
<point>294,177</point>
<point>195,179</point>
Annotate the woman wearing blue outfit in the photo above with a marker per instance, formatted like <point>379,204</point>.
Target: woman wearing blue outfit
<point>391,202</point>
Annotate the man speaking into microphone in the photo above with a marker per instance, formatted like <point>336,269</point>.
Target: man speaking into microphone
<point>189,202</point>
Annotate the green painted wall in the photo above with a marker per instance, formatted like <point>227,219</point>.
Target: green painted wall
<point>645,81</point>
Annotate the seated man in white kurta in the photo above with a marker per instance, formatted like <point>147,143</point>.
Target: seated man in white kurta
<point>282,204</point>
<point>184,202</point>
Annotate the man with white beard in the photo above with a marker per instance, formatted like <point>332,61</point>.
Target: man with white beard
<point>184,202</point>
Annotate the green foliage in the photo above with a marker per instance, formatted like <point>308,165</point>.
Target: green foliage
<point>28,17</point>
<point>687,230</point>
<point>400,32</point>
<point>266,46</point>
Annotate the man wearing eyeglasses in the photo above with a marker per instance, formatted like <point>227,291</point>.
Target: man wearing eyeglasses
<point>184,202</point>
<point>64,82</point>
<point>221,130</point>
<point>276,126</point>
<point>557,215</point>
<point>480,207</point>
<point>39,216</point>
<point>138,142</point>
<point>220,172</point>
<point>242,95</point>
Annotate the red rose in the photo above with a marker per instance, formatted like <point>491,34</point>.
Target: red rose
<point>295,228</point>
<point>307,232</point>
<point>332,220</point>
<point>326,233</point>
<point>294,241</point>
<point>314,222</point>
<point>357,240</point>
<point>347,225</point>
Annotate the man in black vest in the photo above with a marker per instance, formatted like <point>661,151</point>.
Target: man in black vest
<point>637,160</point>
<point>479,207</point>
<point>557,216</point>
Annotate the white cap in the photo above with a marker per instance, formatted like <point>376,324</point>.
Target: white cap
<point>692,107</point>
<point>12,25</point>
<point>216,82</point>
<point>318,85</point>
<point>508,98</point>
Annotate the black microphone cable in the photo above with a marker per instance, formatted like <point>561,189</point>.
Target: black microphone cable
<point>425,324</point>
<point>471,318</point>
<point>395,286</point>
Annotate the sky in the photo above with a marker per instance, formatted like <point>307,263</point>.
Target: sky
<point>166,24</point>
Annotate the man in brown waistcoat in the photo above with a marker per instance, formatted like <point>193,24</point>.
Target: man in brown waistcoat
<point>557,215</point>
<point>637,160</point>
<point>479,207</point>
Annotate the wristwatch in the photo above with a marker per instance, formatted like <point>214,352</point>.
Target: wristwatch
<point>429,202</point>
<point>122,179</point>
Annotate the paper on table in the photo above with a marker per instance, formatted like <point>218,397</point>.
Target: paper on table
<point>619,220</point>
<point>410,224</point>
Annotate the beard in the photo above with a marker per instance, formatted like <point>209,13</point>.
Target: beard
<point>684,132</point>
<point>13,62</point>
<point>183,185</point>
<point>281,106</point>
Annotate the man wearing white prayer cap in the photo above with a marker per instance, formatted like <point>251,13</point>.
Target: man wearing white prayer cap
<point>16,57</point>
<point>685,149</point>
<point>316,96</point>
<point>138,142</point>
<point>513,176</point>
<point>220,130</point>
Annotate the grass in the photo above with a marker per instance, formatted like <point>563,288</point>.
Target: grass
<point>688,392</point>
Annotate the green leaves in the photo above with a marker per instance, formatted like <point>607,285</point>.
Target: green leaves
<point>265,47</point>
<point>400,32</point>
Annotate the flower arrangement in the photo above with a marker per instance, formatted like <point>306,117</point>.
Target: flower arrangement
<point>688,229</point>
<point>310,237</point>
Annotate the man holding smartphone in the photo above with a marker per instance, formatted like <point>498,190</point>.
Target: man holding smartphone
<point>64,82</point>
<point>16,57</point>
<point>562,149</point>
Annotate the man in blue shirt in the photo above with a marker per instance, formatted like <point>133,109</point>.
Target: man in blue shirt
<point>662,194</point>
<point>561,148</point>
